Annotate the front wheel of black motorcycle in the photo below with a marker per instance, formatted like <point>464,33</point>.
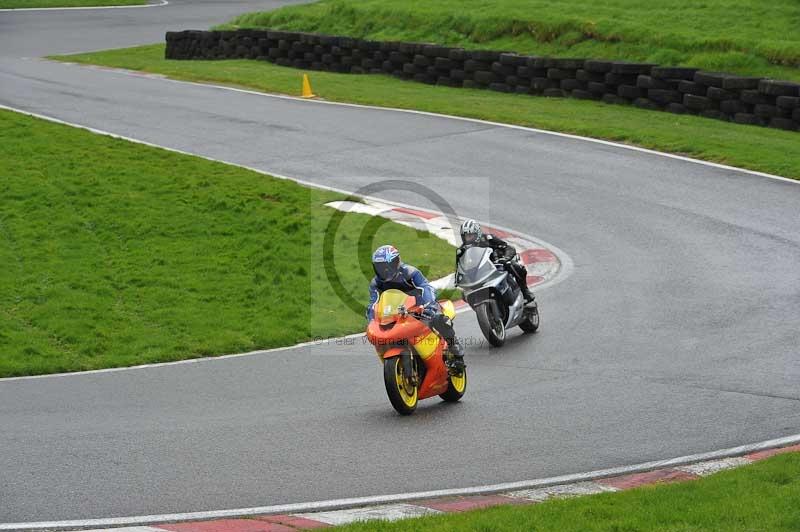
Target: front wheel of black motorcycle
<point>491,325</point>
<point>531,322</point>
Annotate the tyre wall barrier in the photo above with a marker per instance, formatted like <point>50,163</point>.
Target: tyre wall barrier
<point>744,100</point>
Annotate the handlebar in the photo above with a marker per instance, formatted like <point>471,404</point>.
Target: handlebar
<point>416,310</point>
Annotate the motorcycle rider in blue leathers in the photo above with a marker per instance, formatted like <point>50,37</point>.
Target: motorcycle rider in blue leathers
<point>392,273</point>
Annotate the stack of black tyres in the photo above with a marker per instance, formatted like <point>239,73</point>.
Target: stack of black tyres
<point>745,100</point>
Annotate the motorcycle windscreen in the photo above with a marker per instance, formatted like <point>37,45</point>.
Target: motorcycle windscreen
<point>474,266</point>
<point>388,304</point>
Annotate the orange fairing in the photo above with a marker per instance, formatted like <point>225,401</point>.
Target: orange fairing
<point>402,330</point>
<point>435,381</point>
<point>395,330</point>
<point>393,352</point>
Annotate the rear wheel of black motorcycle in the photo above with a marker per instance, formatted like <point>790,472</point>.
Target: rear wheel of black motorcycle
<point>531,322</point>
<point>491,325</point>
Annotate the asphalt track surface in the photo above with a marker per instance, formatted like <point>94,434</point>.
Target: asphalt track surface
<point>676,333</point>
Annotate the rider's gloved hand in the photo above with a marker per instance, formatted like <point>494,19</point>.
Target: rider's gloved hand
<point>428,313</point>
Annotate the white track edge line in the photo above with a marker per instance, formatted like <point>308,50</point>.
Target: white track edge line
<point>162,3</point>
<point>565,262</point>
<point>338,504</point>
<point>164,77</point>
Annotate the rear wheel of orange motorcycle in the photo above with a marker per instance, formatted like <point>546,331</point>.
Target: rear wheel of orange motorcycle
<point>456,386</point>
<point>401,391</point>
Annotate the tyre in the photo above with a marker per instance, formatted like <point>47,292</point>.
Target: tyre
<point>456,386</point>
<point>531,322</point>
<point>492,326</point>
<point>698,103</point>
<point>402,394</point>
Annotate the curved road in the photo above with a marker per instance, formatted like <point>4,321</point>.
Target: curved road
<point>676,333</point>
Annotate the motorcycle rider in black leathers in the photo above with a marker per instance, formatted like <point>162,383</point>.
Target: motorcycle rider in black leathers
<point>502,252</point>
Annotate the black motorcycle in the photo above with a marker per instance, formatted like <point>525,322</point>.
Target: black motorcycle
<point>495,295</point>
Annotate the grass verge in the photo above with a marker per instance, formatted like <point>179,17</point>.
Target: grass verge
<point>761,496</point>
<point>22,4</point>
<point>116,254</point>
<point>750,37</point>
<point>763,149</point>
<point>453,294</point>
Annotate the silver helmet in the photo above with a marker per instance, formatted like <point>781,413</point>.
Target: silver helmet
<point>470,232</point>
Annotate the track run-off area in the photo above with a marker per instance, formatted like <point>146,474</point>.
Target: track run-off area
<point>676,332</point>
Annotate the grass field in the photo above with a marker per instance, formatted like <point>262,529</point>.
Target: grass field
<point>758,497</point>
<point>117,254</point>
<point>756,148</point>
<point>742,36</point>
<point>21,4</point>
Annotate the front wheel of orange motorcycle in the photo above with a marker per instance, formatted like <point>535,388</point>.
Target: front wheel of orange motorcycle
<point>400,388</point>
<point>456,386</point>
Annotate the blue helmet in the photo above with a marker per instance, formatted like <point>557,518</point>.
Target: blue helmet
<point>386,262</point>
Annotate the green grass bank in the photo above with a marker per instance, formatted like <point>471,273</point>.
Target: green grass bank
<point>117,254</point>
<point>762,149</point>
<point>762,496</point>
<point>748,37</point>
<point>22,4</point>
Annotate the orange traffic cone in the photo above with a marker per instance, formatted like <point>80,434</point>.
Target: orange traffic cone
<point>307,88</point>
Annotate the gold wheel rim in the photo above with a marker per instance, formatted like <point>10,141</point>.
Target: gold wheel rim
<point>459,382</point>
<point>409,399</point>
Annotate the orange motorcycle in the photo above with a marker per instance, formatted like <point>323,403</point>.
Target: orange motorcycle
<point>413,356</point>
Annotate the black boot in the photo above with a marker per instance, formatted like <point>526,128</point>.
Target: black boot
<point>528,295</point>
<point>455,359</point>
<point>521,276</point>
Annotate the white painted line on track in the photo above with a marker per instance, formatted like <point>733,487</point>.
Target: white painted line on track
<point>312,101</point>
<point>340,504</point>
<point>179,362</point>
<point>442,227</point>
<point>564,271</point>
<point>161,3</point>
